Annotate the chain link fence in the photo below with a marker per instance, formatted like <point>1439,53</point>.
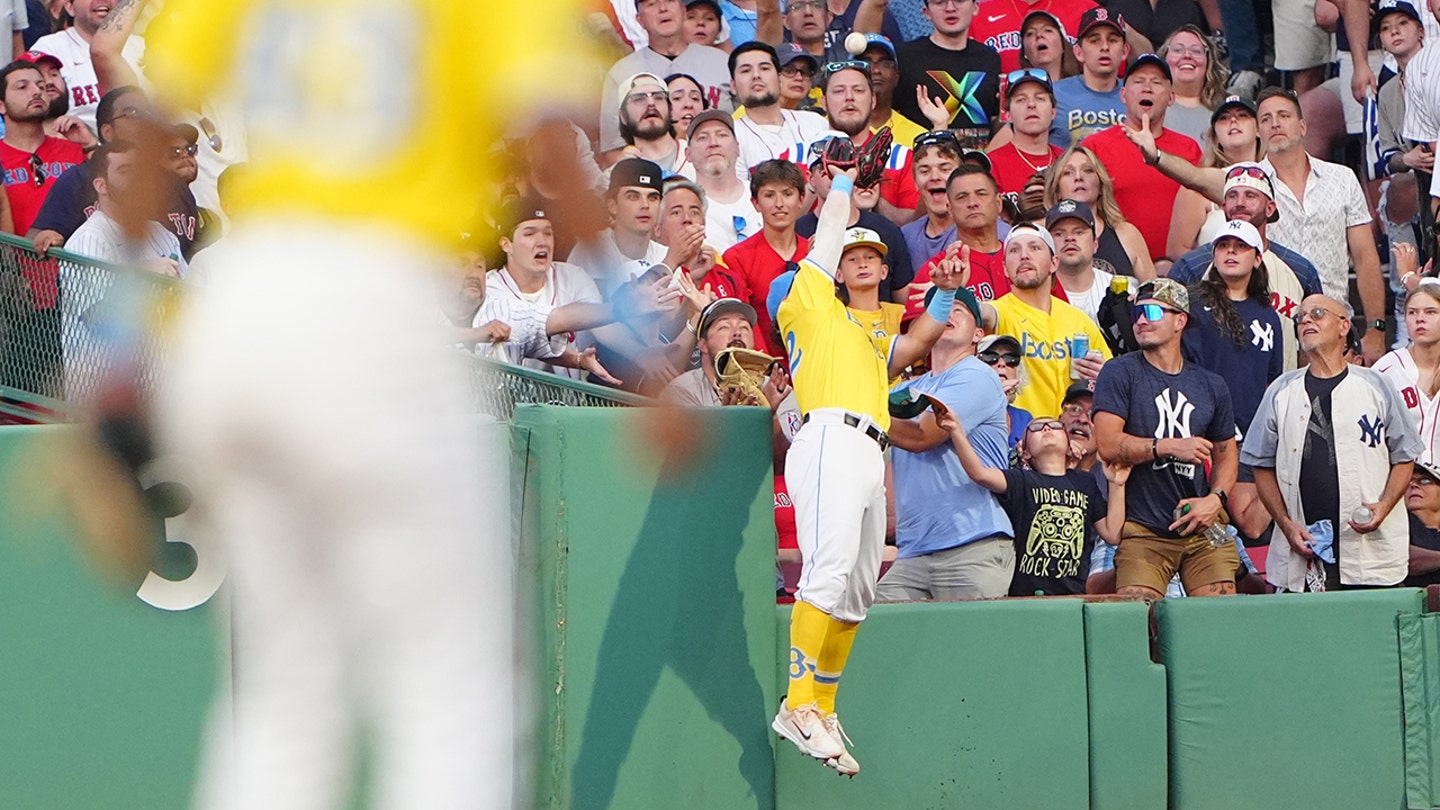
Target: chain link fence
<point>63,319</point>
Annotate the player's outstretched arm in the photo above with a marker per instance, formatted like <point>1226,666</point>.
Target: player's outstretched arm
<point>975,467</point>
<point>829,238</point>
<point>948,275</point>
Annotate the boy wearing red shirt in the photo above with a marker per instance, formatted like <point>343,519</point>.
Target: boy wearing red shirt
<point>776,188</point>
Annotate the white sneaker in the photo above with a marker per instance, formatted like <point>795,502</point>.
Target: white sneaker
<point>808,731</point>
<point>844,764</point>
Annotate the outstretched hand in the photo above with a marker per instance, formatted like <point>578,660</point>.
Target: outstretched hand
<point>953,271</point>
<point>1143,139</point>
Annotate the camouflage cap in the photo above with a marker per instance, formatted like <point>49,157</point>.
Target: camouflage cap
<point>1166,291</point>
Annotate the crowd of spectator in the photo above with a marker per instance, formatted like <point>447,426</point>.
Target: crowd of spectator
<point>1170,213</point>
<point>1197,236</point>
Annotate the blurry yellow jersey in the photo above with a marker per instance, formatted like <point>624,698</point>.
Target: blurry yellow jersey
<point>1045,348</point>
<point>835,360</point>
<point>884,320</point>
<point>377,111</point>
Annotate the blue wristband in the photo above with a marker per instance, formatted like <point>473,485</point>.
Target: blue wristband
<point>941,305</point>
<point>842,183</point>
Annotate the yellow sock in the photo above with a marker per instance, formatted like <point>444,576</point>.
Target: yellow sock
<point>833,655</point>
<point>808,625</point>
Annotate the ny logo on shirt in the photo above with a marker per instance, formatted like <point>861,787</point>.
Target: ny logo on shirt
<point>1263,336</point>
<point>1370,430</point>
<point>1174,410</point>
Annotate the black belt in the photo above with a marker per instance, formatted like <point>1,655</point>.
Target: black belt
<point>870,430</point>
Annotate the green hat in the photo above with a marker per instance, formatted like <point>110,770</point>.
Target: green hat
<point>963,295</point>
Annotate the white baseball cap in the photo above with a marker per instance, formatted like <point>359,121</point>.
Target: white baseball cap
<point>855,237</point>
<point>1239,229</point>
<point>1029,229</point>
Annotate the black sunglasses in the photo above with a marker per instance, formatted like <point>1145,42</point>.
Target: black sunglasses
<point>37,170</point>
<point>992,358</point>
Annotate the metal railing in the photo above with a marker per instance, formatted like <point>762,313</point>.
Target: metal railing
<point>60,313</point>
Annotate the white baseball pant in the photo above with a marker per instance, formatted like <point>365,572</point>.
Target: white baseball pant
<point>371,574</point>
<point>836,476</point>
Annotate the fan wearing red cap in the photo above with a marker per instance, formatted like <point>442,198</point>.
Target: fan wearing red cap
<point>1146,196</point>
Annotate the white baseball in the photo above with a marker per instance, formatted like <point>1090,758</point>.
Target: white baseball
<point>855,43</point>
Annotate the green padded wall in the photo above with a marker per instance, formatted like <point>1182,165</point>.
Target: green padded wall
<point>1127,709</point>
<point>1420,678</point>
<point>103,696</point>
<point>1286,701</point>
<point>656,608</point>
<point>955,705</point>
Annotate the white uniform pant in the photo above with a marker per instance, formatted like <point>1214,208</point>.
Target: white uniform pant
<point>370,574</point>
<point>836,477</point>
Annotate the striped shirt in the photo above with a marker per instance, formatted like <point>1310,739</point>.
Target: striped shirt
<point>100,237</point>
<point>528,338</point>
<point>1422,94</point>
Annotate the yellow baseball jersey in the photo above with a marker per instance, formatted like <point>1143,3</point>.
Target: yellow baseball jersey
<point>835,360</point>
<point>1045,346</point>
<point>883,321</point>
<point>381,112</point>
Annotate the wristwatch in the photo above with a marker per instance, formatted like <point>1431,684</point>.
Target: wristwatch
<point>1378,324</point>
<point>1224,499</point>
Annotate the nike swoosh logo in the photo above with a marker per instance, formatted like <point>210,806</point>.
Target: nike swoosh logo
<point>803,734</point>
<point>993,19</point>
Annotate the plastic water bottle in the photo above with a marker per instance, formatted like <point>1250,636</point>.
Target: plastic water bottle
<point>1362,515</point>
<point>1215,533</point>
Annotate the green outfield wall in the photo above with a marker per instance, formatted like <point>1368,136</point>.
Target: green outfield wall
<point>659,658</point>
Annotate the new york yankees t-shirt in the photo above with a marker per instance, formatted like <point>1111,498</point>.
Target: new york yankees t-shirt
<point>1193,403</point>
<point>967,81</point>
<point>1248,367</point>
<point>1054,518</point>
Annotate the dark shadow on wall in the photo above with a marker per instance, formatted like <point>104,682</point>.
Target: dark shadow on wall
<point>679,605</point>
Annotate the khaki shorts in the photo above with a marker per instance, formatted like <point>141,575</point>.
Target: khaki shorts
<point>1299,42</point>
<point>1147,560</point>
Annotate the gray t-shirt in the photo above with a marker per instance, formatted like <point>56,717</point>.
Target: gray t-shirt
<point>1191,121</point>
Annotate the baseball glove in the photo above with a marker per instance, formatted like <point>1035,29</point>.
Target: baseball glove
<point>839,152</point>
<point>744,370</point>
<point>871,158</point>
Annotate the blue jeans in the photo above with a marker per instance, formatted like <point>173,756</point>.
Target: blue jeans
<point>1242,34</point>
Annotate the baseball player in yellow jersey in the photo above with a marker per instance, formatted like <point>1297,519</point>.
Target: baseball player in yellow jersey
<point>312,385</point>
<point>835,468</point>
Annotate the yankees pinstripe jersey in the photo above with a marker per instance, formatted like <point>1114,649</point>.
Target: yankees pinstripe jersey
<point>528,338</point>
<point>100,237</point>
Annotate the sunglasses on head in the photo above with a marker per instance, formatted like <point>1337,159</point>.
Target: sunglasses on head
<point>37,170</point>
<point>939,137</point>
<point>831,68</point>
<point>1150,312</point>
<point>994,358</point>
<point>1015,76</point>
<point>1044,424</point>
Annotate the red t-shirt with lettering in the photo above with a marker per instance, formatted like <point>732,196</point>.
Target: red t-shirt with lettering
<point>1012,169</point>
<point>1146,197</point>
<point>997,24</point>
<point>28,179</point>
<point>754,264</point>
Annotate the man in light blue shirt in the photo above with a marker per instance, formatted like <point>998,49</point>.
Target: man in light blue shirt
<point>1090,102</point>
<point>955,542</point>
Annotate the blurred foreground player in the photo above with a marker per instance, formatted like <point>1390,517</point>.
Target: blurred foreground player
<point>313,388</point>
<point>835,468</point>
